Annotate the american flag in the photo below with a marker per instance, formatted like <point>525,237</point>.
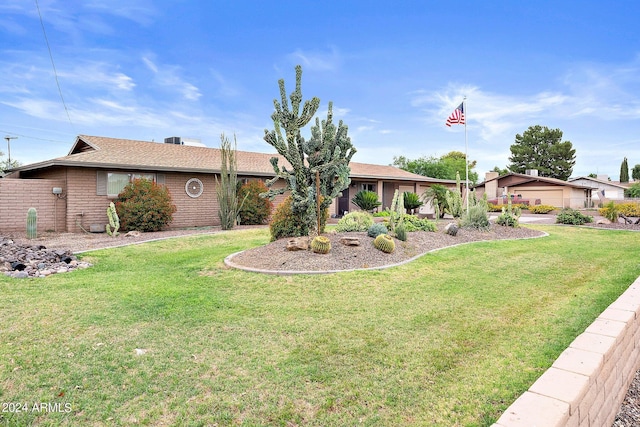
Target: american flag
<point>457,117</point>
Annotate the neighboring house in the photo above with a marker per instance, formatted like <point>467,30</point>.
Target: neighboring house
<point>72,192</point>
<point>611,190</point>
<point>549,191</point>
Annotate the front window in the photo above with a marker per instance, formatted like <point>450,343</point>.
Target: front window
<point>116,181</point>
<point>368,187</point>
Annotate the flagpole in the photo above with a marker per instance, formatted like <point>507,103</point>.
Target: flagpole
<point>466,150</point>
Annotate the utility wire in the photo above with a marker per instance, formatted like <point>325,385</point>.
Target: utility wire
<point>55,72</point>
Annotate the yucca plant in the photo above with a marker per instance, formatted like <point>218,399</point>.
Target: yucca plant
<point>366,200</point>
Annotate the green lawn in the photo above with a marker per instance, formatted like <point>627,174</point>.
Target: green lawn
<point>450,339</point>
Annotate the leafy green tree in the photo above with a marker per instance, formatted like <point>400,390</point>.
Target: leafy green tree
<point>500,171</point>
<point>542,148</point>
<point>444,167</point>
<point>624,171</point>
<point>633,191</point>
<point>5,165</point>
<point>326,155</point>
<point>592,175</point>
<point>635,173</point>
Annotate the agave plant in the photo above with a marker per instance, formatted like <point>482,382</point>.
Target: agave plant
<point>366,200</point>
<point>411,201</point>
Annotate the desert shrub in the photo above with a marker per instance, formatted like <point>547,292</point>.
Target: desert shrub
<point>629,208</point>
<point>376,229</point>
<point>476,217</point>
<point>144,205</point>
<point>413,223</point>
<point>385,212</point>
<point>610,211</point>
<point>401,232</point>
<point>507,220</point>
<point>573,217</point>
<point>494,208</point>
<point>355,221</point>
<point>366,200</point>
<point>285,224</point>
<point>541,209</point>
<point>255,209</point>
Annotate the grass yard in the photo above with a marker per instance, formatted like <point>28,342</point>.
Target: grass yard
<point>448,340</point>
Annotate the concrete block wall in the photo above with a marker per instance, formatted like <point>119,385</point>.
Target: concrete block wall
<point>588,382</point>
<point>18,195</point>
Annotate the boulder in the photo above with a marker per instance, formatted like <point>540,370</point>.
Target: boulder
<point>451,229</point>
<point>350,241</point>
<point>298,244</point>
<point>603,221</point>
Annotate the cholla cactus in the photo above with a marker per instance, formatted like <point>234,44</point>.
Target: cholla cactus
<point>114,220</point>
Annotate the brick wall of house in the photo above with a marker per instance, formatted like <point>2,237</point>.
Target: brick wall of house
<point>18,195</point>
<point>81,208</point>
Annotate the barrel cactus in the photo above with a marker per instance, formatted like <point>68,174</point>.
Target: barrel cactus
<point>321,245</point>
<point>385,243</point>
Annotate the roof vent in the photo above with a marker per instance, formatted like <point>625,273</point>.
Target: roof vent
<point>178,140</point>
<point>531,172</point>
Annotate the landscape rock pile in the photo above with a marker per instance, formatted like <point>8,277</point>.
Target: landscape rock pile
<point>22,261</point>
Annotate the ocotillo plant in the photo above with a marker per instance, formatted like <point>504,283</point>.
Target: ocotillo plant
<point>32,223</point>
<point>114,220</point>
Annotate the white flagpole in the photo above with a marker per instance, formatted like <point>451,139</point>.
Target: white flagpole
<point>466,150</point>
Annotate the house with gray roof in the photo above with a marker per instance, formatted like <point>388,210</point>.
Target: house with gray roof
<point>72,192</point>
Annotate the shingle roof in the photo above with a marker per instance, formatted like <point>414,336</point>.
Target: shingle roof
<point>103,152</point>
<point>530,178</point>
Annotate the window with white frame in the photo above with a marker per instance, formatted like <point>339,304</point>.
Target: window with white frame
<point>112,183</point>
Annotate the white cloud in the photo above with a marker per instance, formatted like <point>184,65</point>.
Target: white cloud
<point>316,60</point>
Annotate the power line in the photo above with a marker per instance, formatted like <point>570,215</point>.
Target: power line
<point>55,72</point>
<point>33,137</point>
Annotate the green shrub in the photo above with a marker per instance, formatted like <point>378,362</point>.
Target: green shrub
<point>355,221</point>
<point>573,217</point>
<point>541,209</point>
<point>376,229</point>
<point>476,217</point>
<point>144,205</point>
<point>507,220</point>
<point>255,210</point>
<point>382,213</point>
<point>366,200</point>
<point>413,223</point>
<point>284,223</point>
<point>633,191</point>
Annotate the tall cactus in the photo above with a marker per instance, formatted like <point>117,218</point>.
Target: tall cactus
<point>114,221</point>
<point>326,156</point>
<point>32,223</point>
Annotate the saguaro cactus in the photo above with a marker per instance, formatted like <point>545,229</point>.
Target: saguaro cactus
<point>32,223</point>
<point>114,220</point>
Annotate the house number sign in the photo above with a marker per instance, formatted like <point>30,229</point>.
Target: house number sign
<point>194,187</point>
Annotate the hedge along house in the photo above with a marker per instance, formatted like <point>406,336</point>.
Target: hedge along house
<point>530,186</point>
<point>76,189</point>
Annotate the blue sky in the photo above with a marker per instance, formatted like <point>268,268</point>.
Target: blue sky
<point>149,69</point>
